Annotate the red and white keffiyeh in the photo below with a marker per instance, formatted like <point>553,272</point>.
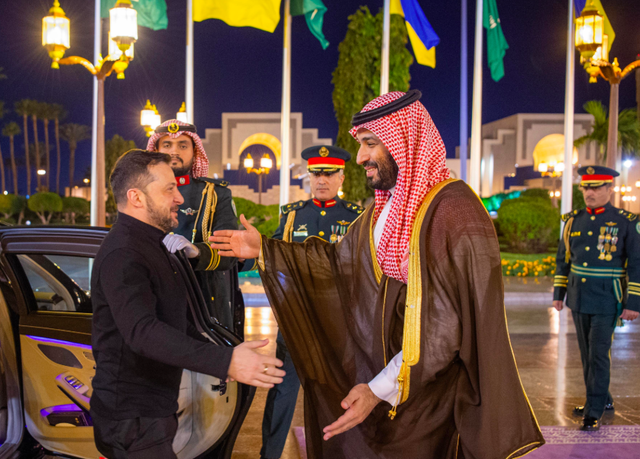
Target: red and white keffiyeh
<point>200,167</point>
<point>415,144</point>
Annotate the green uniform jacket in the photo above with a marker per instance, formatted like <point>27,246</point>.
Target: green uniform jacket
<point>601,273</point>
<point>216,275</point>
<point>328,220</point>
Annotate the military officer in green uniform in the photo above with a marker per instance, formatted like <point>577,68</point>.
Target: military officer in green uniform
<point>598,269</point>
<point>325,216</point>
<point>207,207</point>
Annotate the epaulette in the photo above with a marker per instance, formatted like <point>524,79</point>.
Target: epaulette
<point>568,215</point>
<point>355,208</point>
<point>628,215</point>
<point>292,206</point>
<point>218,182</point>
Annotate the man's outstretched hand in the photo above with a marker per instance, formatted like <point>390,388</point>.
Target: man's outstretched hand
<point>358,405</point>
<point>239,244</point>
<point>249,367</point>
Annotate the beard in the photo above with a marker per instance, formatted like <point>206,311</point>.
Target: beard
<point>161,218</point>
<point>387,173</point>
<point>181,168</point>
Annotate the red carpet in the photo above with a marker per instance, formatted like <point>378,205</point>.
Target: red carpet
<point>610,442</point>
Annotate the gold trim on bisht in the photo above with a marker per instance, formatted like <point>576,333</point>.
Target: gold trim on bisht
<point>413,308</point>
<point>287,235</point>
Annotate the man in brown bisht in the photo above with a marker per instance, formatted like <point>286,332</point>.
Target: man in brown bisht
<point>398,332</point>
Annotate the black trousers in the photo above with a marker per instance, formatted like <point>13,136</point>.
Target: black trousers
<point>280,406</point>
<point>137,438</point>
<point>595,335</point>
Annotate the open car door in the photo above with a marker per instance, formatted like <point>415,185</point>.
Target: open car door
<point>47,287</point>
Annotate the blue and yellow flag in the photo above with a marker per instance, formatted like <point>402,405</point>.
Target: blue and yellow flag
<point>606,25</point>
<point>261,14</point>
<point>421,34</point>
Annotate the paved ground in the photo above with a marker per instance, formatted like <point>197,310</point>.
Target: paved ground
<point>546,350</point>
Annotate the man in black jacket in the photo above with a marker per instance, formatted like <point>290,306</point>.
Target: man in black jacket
<point>142,337</point>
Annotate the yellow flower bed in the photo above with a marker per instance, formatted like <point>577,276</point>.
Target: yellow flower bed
<point>522,268</point>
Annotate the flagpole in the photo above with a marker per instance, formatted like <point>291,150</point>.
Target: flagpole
<point>464,94</point>
<point>95,219</point>
<point>384,64</point>
<point>188,97</point>
<point>476,111</point>
<point>567,176</point>
<point>285,133</point>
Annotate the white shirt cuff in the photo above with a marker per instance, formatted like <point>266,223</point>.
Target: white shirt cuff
<point>385,384</point>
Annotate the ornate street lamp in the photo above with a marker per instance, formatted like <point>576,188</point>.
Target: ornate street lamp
<point>124,32</point>
<point>266,163</point>
<point>589,31</point>
<point>55,34</point>
<point>593,45</point>
<point>182,114</point>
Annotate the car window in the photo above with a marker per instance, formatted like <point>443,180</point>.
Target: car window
<point>58,283</point>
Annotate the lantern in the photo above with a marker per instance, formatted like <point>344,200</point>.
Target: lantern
<point>248,162</point>
<point>182,114</point>
<point>123,24</point>
<point>266,162</point>
<point>55,33</point>
<point>149,118</point>
<point>589,31</point>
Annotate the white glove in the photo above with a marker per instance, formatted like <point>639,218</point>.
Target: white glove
<point>175,242</point>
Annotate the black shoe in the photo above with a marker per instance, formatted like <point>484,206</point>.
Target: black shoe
<point>579,410</point>
<point>590,424</point>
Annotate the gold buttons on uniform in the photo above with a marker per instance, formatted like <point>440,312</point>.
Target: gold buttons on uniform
<point>587,248</point>
<point>323,213</point>
<point>321,233</point>
<point>584,280</point>
<point>593,217</point>
<point>585,263</point>
<point>590,233</point>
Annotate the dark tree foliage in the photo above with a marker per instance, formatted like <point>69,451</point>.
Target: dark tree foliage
<point>356,81</point>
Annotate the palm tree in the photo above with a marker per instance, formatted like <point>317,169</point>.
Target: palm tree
<point>73,133</point>
<point>11,130</point>
<point>58,113</point>
<point>23,108</point>
<point>36,112</point>
<point>47,113</point>
<point>628,130</point>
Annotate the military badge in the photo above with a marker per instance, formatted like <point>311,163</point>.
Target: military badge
<point>324,152</point>
<point>611,223</point>
<point>300,233</point>
<point>303,227</point>
<point>173,128</point>
<point>188,211</point>
<point>591,170</point>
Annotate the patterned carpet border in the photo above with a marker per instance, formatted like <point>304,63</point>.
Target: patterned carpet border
<point>556,435</point>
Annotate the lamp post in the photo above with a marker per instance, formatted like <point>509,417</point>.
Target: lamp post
<point>593,45</point>
<point>150,118</point>
<point>124,33</point>
<point>266,164</point>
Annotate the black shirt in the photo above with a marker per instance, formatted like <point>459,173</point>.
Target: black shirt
<point>141,336</point>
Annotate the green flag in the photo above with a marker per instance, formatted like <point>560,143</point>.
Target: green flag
<point>151,13</point>
<point>496,43</point>
<point>313,11</point>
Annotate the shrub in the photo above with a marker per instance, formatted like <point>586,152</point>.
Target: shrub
<point>529,225</point>
<point>74,207</point>
<point>12,205</point>
<point>536,193</point>
<point>45,204</point>
<point>264,218</point>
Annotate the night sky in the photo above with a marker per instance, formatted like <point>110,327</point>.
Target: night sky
<point>239,69</point>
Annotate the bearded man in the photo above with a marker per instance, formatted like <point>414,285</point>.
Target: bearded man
<point>208,206</point>
<point>398,332</point>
